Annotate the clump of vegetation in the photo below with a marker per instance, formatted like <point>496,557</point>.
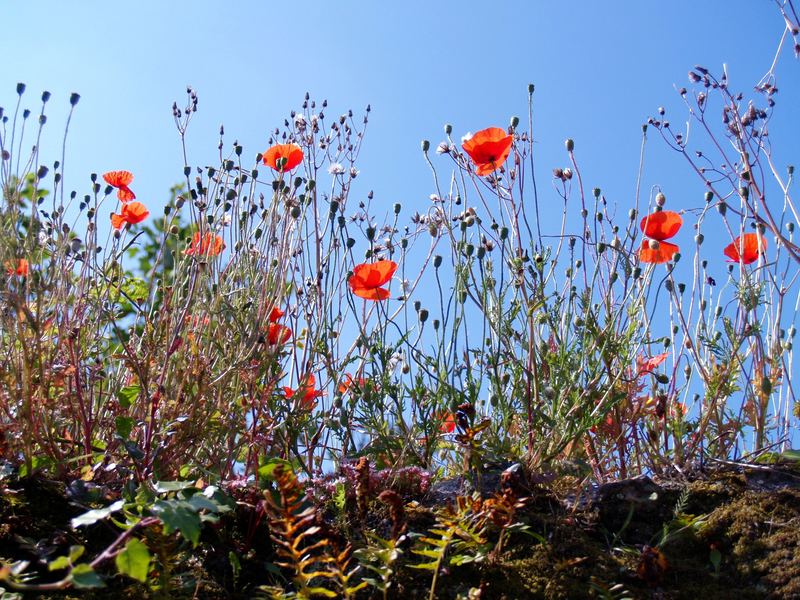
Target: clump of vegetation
<point>275,350</point>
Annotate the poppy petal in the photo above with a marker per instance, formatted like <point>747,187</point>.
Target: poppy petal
<point>117,221</point>
<point>661,254</point>
<point>661,225</point>
<point>118,178</point>
<point>746,248</point>
<point>377,293</point>
<point>125,194</point>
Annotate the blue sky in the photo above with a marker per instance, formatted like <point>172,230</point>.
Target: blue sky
<point>599,68</point>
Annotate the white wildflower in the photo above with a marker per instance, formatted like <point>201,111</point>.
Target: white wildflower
<point>335,169</point>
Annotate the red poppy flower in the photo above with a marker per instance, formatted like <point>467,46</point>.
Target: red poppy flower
<point>307,393</point>
<point>647,365</point>
<point>348,382</point>
<point>278,334</point>
<point>132,213</point>
<point>661,225</point>
<point>746,248</point>
<point>210,245</point>
<point>657,252</point>
<point>368,278</point>
<point>275,314</point>
<point>20,269</point>
<point>488,149</point>
<point>121,180</point>
<point>448,424</point>
<point>291,152</point>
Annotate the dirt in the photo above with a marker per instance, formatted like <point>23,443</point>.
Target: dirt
<point>729,532</point>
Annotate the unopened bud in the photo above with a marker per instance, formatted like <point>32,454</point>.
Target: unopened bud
<point>569,144</point>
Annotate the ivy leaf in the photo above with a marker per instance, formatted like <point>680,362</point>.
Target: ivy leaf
<point>134,560</point>
<point>98,514</point>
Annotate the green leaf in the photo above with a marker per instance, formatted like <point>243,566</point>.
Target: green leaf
<point>134,560</point>
<point>265,471</point>
<point>177,517</point>
<point>98,514</point>
<point>124,426</point>
<point>83,576</point>
<point>163,487</point>
<point>128,395</point>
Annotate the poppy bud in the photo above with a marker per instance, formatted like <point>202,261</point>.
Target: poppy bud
<point>370,233</point>
<point>295,212</point>
<point>676,257</point>
<point>174,230</point>
<point>433,230</point>
<point>722,208</point>
<point>448,129</point>
<point>599,217</point>
<point>514,122</point>
<point>425,145</point>
<point>404,243</point>
<point>503,233</point>
<point>437,261</point>
<point>709,196</point>
<point>653,244</point>
<point>699,238</point>
<point>558,173</point>
<point>744,192</point>
<point>481,252</point>
<point>436,324</point>
<point>530,88</point>
<point>569,144</point>
<point>567,173</point>
<point>681,288</point>
<point>790,227</point>
<point>668,285</point>
<point>637,272</point>
<point>469,249</point>
<point>601,247</point>
<point>703,304</point>
<point>596,192</point>
<point>790,169</point>
<point>74,98</point>
<point>661,199</point>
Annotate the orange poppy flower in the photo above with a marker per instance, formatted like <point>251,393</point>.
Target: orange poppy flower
<point>275,314</point>
<point>132,213</point>
<point>121,180</point>
<point>368,278</point>
<point>746,248</point>
<point>306,392</point>
<point>20,269</point>
<point>291,152</point>
<point>488,149</point>
<point>661,225</point>
<point>210,245</point>
<point>657,252</point>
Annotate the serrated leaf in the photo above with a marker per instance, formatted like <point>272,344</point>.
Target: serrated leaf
<point>134,560</point>
<point>178,518</point>
<point>84,576</point>
<point>97,514</point>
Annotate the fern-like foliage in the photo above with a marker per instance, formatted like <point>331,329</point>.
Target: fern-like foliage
<point>291,524</point>
<point>459,537</point>
<point>380,556</point>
